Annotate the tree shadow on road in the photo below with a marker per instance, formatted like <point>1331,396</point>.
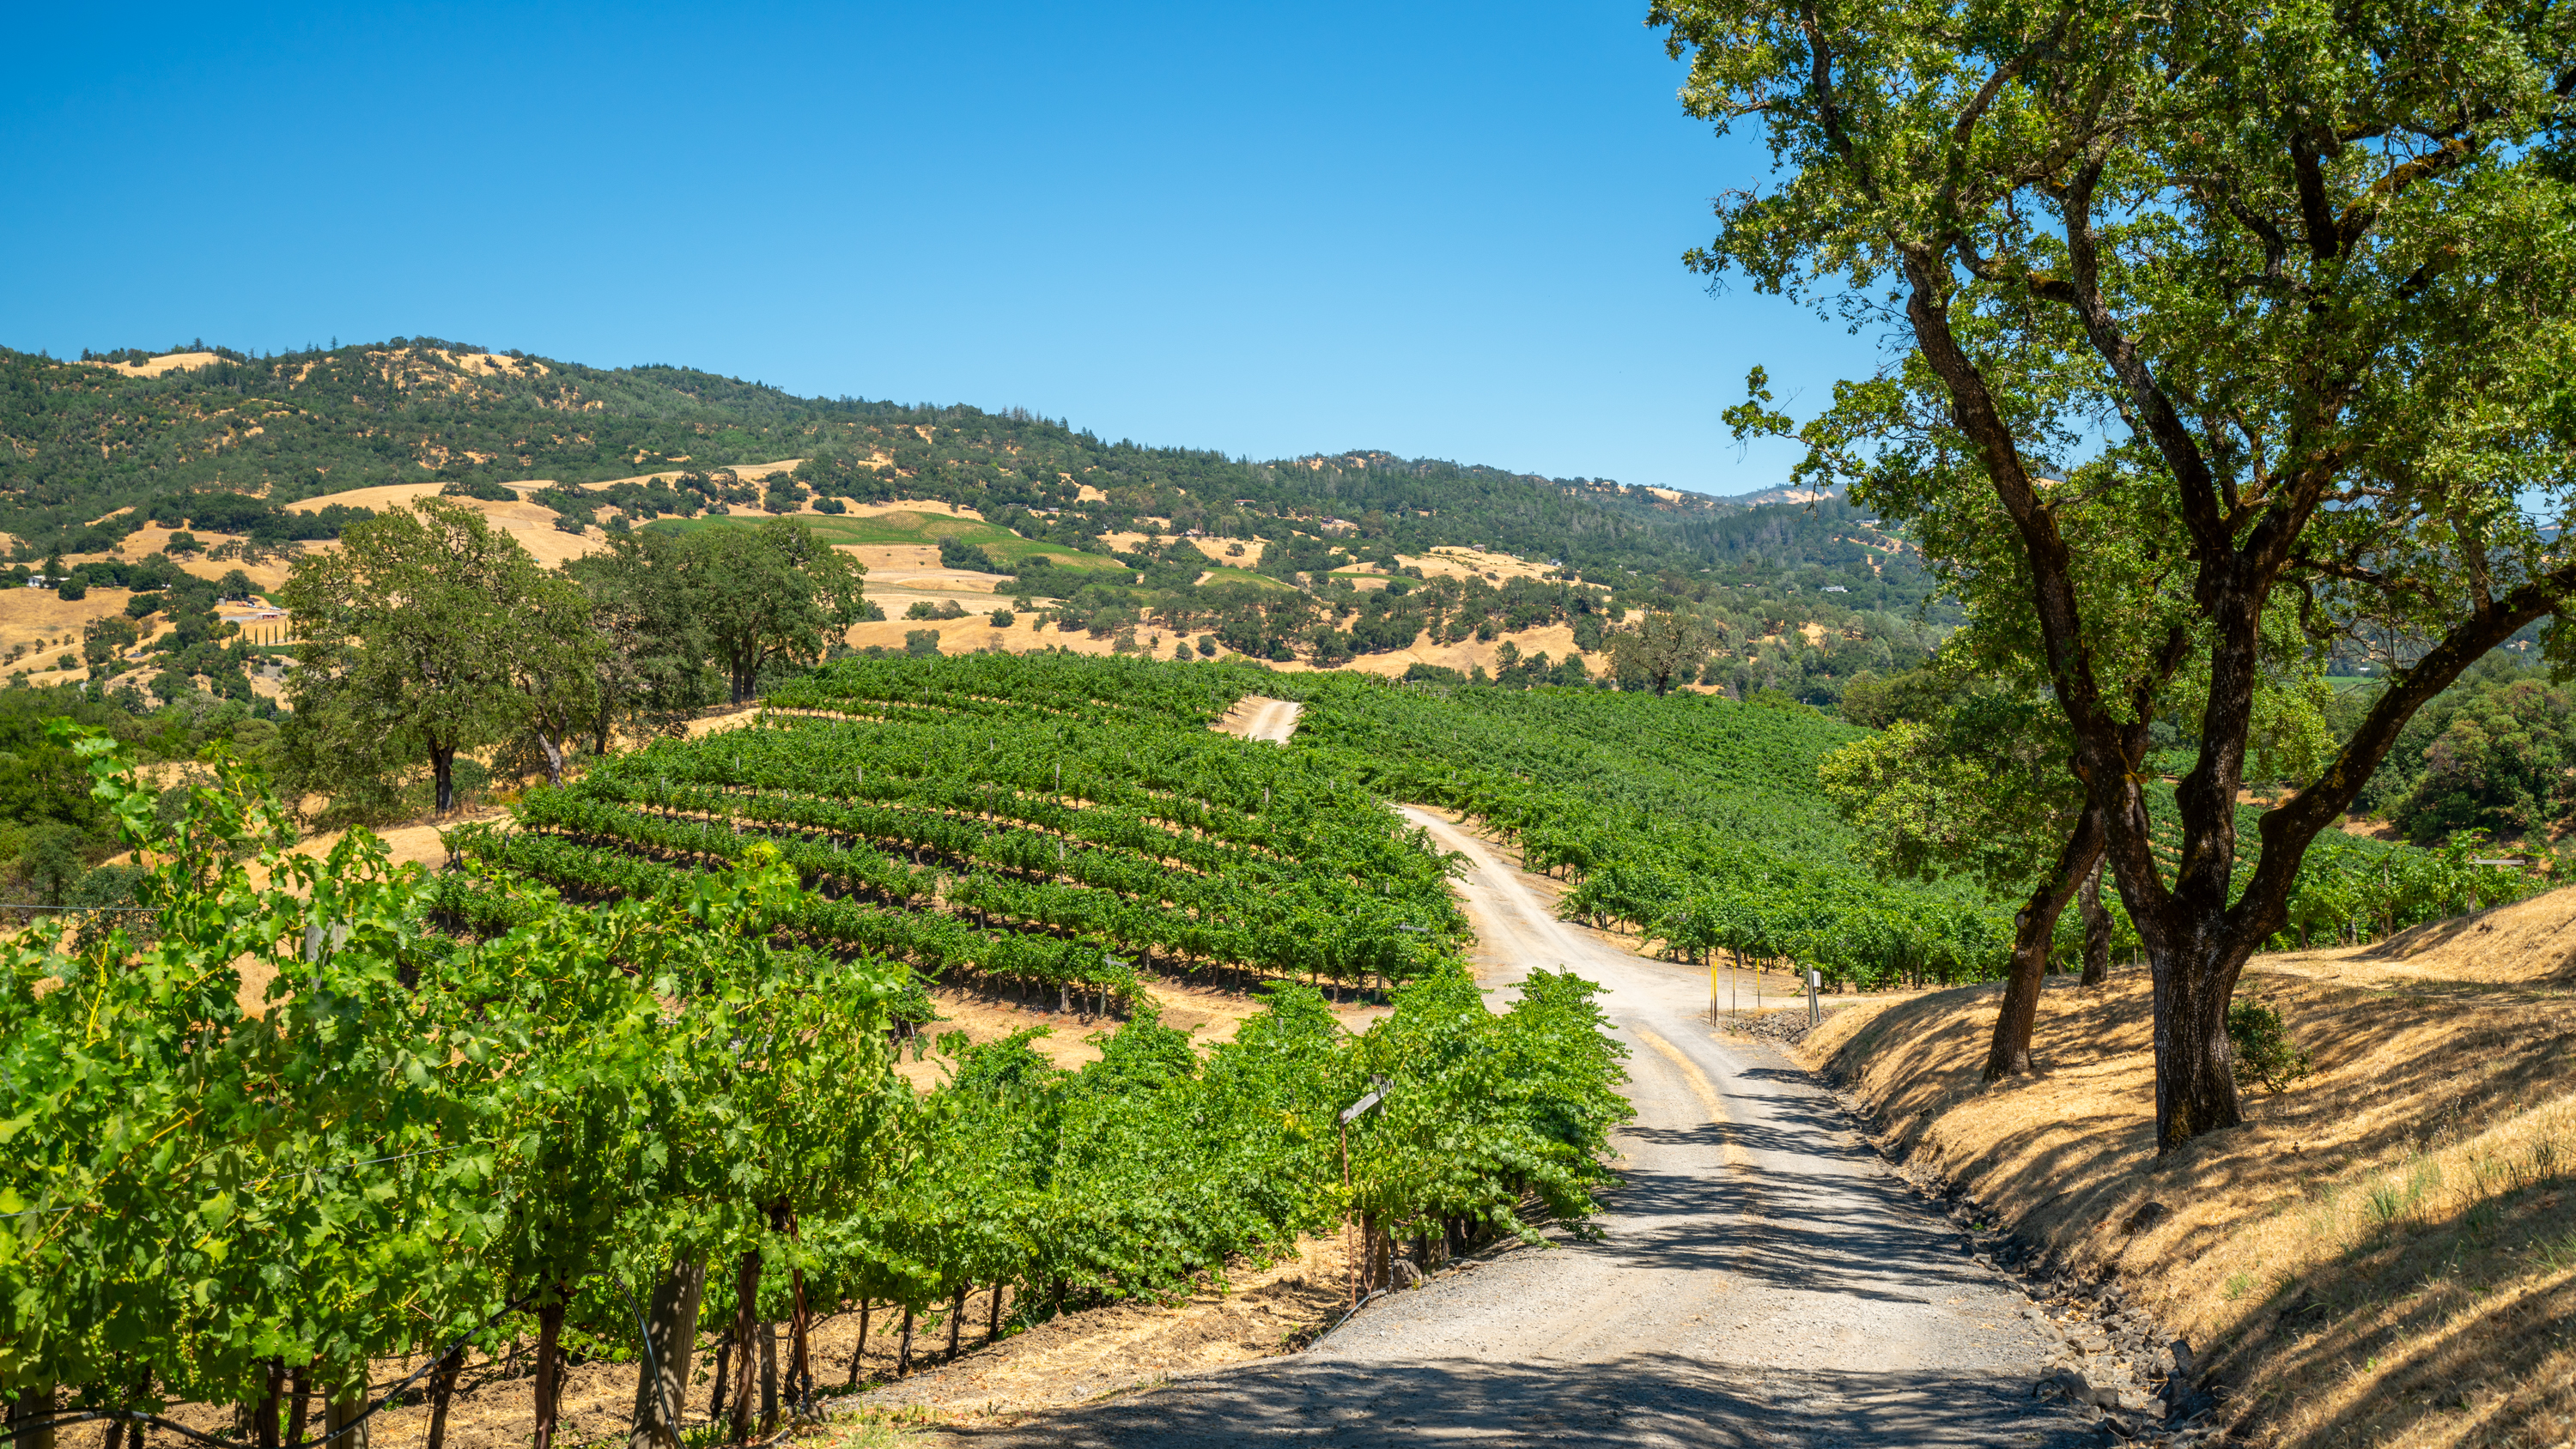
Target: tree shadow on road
<point>1650,1399</point>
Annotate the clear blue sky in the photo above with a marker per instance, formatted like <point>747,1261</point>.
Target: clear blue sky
<point>1450,231</point>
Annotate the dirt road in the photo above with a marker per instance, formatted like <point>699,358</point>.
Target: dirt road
<point>1761,1279</point>
<point>1259,717</point>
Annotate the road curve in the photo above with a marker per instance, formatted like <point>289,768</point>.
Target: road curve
<point>1260,717</point>
<point>1761,1279</point>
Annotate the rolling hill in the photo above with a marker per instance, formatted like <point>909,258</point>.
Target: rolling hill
<point>118,431</point>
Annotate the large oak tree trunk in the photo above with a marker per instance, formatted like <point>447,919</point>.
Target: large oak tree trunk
<point>2097,928</point>
<point>2195,1063</point>
<point>2034,929</point>
<point>553,750</point>
<point>442,768</point>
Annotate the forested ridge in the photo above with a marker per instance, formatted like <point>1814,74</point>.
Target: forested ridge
<point>84,440</point>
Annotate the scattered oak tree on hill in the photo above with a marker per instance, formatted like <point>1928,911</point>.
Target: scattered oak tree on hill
<point>771,592</point>
<point>1662,649</point>
<point>654,655</point>
<point>2316,263</point>
<point>430,632</point>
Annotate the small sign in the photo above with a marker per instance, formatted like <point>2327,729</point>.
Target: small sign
<point>1377,1094</point>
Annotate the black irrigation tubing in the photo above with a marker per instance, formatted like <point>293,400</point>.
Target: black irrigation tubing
<point>86,1416</point>
<point>1373,1295</point>
<point>644,1337</point>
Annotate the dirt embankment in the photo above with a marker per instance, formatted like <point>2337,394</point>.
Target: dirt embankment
<point>2384,1254</point>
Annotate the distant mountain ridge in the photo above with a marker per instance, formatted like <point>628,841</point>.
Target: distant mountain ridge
<point>133,430</point>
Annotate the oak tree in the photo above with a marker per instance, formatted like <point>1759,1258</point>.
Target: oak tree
<point>2275,306</point>
<point>774,591</point>
<point>428,632</point>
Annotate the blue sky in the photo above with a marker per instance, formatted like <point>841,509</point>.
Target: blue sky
<point>1445,231</point>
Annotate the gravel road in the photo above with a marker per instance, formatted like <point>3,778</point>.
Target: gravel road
<point>1267,719</point>
<point>1761,1279</point>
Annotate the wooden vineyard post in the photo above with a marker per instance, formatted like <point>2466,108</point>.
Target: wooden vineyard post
<point>1350,1264</point>
<point>1376,1094</point>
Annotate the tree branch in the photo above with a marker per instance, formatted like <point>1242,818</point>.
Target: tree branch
<point>2286,830</point>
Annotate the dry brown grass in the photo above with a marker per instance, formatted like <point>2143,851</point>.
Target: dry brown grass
<point>2384,1254</point>
<point>155,366</point>
<point>30,615</point>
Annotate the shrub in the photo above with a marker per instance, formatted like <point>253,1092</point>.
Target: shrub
<point>1003,618</point>
<point>2264,1051</point>
<point>921,609</point>
<point>921,643</point>
<point>71,589</point>
<point>957,553</point>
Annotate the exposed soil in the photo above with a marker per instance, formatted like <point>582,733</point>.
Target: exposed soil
<point>1259,717</point>
<point>156,366</point>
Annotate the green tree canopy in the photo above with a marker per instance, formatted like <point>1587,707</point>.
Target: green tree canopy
<point>428,632</point>
<point>770,592</point>
<point>2313,275</point>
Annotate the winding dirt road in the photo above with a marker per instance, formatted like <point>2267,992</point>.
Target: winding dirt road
<point>1259,717</point>
<point>1761,1279</point>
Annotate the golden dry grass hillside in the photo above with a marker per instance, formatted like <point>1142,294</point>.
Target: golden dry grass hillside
<point>2384,1255</point>
<point>899,576</point>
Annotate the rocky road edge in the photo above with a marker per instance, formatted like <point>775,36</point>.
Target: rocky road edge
<point>2112,1356</point>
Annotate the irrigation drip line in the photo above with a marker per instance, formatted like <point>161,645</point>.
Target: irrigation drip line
<point>644,1336</point>
<point>1374,1295</point>
<point>86,1416</point>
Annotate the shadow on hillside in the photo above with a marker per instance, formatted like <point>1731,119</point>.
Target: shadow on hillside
<point>2341,1278</point>
<point>2461,1351</point>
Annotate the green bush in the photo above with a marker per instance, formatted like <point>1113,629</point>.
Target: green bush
<point>2264,1051</point>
